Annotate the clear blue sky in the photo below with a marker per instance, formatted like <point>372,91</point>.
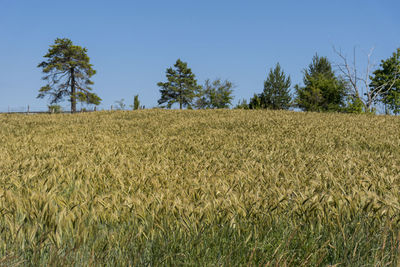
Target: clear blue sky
<point>131,43</point>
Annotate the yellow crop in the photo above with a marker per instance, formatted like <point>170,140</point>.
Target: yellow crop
<point>62,174</point>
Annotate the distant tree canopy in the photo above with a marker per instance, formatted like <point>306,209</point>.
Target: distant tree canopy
<point>67,72</point>
<point>120,104</point>
<point>385,82</point>
<point>255,102</point>
<point>180,88</point>
<point>276,93</point>
<point>136,102</point>
<point>242,104</point>
<point>322,90</point>
<point>215,94</point>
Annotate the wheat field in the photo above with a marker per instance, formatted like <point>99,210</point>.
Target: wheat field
<point>199,188</point>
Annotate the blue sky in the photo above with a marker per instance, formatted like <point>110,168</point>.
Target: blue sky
<point>131,43</point>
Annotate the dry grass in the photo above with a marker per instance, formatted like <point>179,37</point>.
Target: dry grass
<point>68,183</point>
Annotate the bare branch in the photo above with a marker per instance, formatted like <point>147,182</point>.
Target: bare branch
<point>350,74</point>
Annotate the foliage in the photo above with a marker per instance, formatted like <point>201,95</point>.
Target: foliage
<point>120,104</point>
<point>276,94</point>
<point>197,188</point>
<point>242,104</point>
<point>387,79</point>
<point>54,108</point>
<point>322,90</point>
<point>354,105</point>
<point>216,94</point>
<point>255,102</point>
<point>67,73</point>
<point>136,102</point>
<point>180,88</point>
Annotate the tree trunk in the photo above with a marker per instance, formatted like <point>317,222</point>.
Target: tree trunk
<point>369,103</point>
<point>180,98</point>
<point>73,92</point>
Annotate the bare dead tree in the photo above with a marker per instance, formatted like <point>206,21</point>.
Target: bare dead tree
<point>360,84</point>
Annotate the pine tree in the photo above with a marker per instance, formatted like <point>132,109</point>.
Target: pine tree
<point>276,94</point>
<point>180,88</point>
<point>68,72</point>
<point>255,102</point>
<point>322,90</point>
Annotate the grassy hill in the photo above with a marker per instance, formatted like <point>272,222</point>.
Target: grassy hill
<point>213,187</point>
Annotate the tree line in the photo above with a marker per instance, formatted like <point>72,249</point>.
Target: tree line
<point>67,72</point>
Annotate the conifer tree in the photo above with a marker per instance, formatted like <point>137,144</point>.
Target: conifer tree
<point>322,90</point>
<point>255,102</point>
<point>67,73</point>
<point>276,94</point>
<point>180,88</point>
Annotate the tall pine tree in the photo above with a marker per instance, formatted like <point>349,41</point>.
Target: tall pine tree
<point>67,72</point>
<point>180,88</point>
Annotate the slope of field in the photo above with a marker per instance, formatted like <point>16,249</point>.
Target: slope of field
<point>223,187</point>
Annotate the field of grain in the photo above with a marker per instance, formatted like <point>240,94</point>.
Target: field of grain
<point>213,187</point>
